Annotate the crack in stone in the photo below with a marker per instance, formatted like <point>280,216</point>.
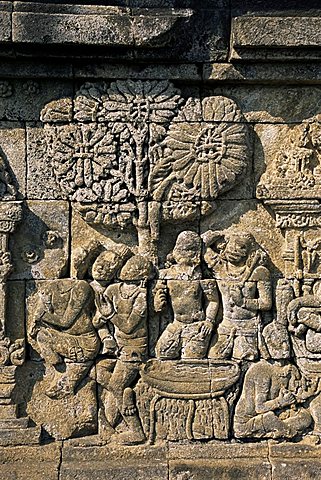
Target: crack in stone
<point>60,461</point>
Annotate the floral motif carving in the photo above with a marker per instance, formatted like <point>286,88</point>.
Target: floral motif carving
<point>140,153</point>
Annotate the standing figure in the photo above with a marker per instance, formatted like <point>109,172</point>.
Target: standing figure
<point>124,304</point>
<point>63,334</point>
<point>193,302</point>
<point>104,271</point>
<point>245,286</point>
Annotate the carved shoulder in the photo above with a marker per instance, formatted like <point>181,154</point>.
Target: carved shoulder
<point>260,274</point>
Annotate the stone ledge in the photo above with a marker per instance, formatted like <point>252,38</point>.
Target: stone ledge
<point>277,73</point>
<point>275,37</point>
<point>52,24</point>
<point>248,461</point>
<point>5,21</point>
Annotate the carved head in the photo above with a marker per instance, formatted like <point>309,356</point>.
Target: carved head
<point>277,341</point>
<point>187,248</point>
<point>137,268</point>
<point>106,266</point>
<point>238,247</point>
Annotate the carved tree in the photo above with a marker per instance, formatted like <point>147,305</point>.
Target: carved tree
<point>132,155</point>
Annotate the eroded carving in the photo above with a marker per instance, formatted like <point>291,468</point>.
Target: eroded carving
<point>171,330</point>
<point>245,286</point>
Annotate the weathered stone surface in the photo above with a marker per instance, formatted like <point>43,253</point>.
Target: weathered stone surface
<point>98,26</point>
<point>23,99</point>
<point>13,146</point>
<point>260,104</point>
<point>275,37</point>
<point>19,462</point>
<point>160,71</point>
<point>41,181</point>
<point>160,240</point>
<point>42,251</point>
<point>269,73</point>
<point>5,21</point>
<point>107,462</point>
<point>225,461</point>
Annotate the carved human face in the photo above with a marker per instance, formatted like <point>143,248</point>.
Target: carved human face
<point>188,257</point>
<point>187,250</point>
<point>277,342</point>
<point>236,250</point>
<point>106,266</point>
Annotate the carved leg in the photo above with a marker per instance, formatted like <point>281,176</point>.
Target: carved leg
<point>170,342</point>
<point>67,383</point>
<point>123,377</point>
<point>46,346</point>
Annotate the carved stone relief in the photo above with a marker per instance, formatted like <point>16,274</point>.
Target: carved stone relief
<point>158,307</point>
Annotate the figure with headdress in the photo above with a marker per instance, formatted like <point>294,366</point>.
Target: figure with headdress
<point>193,302</point>
<point>124,305</point>
<point>244,282</point>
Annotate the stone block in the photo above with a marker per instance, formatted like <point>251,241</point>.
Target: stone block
<point>22,69</point>
<point>263,73</point>
<point>113,462</point>
<point>13,151</point>
<point>264,104</point>
<point>156,27</point>
<point>41,181</point>
<point>295,460</point>
<point>41,244</point>
<point>152,72</point>
<point>219,460</point>
<point>50,24</point>
<point>209,41</point>
<point>38,463</point>
<point>16,310</point>
<point>5,21</point>
<point>269,140</point>
<point>23,99</point>
<point>275,37</point>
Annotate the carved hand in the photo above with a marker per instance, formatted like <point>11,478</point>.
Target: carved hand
<point>206,328</point>
<point>160,300</point>
<point>292,310</point>
<point>236,295</point>
<point>286,398</point>
<point>105,309</point>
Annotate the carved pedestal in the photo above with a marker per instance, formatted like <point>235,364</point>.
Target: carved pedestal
<point>13,430</point>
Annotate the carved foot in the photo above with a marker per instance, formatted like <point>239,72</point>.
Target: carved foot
<point>129,407</point>
<point>128,438</point>
<point>61,389</point>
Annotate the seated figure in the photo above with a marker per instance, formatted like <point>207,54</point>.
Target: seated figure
<point>270,405</point>
<point>63,334</point>
<point>194,302</point>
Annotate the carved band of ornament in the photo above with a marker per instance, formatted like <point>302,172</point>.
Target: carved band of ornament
<point>297,221</point>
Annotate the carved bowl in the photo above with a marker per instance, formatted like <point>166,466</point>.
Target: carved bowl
<point>190,378</point>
